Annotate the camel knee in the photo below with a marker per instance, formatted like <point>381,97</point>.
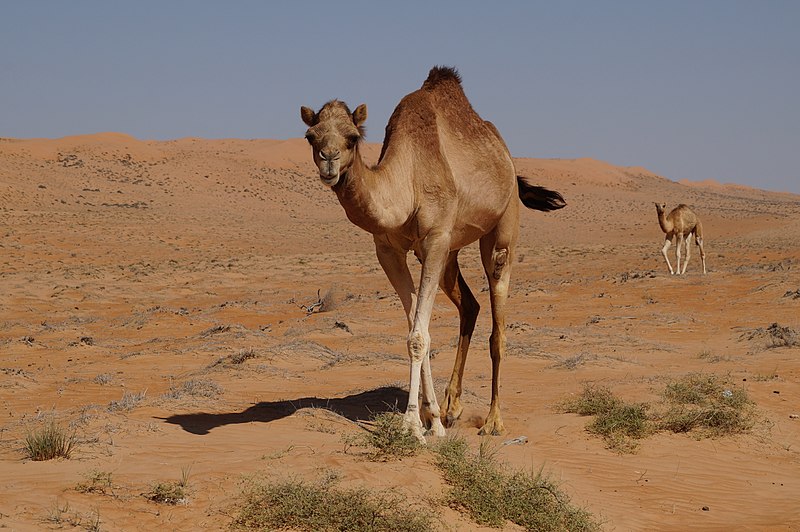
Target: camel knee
<point>500,262</point>
<point>418,344</point>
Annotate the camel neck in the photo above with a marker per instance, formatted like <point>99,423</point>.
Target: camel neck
<point>378,199</point>
<point>666,225</point>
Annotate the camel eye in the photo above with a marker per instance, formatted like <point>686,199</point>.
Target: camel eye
<point>310,138</point>
<point>352,140</point>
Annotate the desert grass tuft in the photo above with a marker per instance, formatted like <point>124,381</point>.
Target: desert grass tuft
<point>49,442</point>
<point>620,424</point>
<point>306,506</point>
<point>167,493</point>
<point>593,400</point>
<point>492,495</point>
<point>128,402</point>
<point>173,493</point>
<point>707,403</point>
<point>96,482</point>
<point>194,388</point>
<point>387,438</point>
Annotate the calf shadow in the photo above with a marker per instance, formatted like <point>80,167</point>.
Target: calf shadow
<point>357,407</point>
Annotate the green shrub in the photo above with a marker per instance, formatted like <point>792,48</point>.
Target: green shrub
<point>51,441</point>
<point>493,495</point>
<point>299,505</point>
<point>707,403</point>
<point>388,438</point>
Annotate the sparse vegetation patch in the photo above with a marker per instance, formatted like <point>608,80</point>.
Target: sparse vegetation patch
<point>128,402</point>
<point>194,388</point>
<point>705,403</point>
<point>708,403</point>
<point>493,495</point>
<point>619,423</point>
<point>174,492</point>
<point>96,482</point>
<point>388,438</point>
<point>299,505</point>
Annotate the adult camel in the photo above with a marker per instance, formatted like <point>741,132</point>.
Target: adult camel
<point>444,179</point>
<point>681,223</point>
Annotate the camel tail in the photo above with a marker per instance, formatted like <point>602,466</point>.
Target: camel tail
<point>539,198</point>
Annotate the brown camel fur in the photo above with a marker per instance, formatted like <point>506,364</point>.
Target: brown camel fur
<point>681,222</point>
<point>444,179</point>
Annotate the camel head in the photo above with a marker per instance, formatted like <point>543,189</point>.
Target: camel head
<point>334,133</point>
<point>661,207</point>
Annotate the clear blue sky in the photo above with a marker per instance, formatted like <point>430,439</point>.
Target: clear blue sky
<point>700,89</point>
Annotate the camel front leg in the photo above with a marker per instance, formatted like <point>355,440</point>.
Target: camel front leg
<point>434,251</point>
<point>667,244</point>
<point>393,262</point>
<point>678,245</point>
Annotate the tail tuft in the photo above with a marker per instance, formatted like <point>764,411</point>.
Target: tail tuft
<point>539,198</point>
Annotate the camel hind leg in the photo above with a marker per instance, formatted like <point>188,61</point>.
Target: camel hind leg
<point>497,254</point>
<point>688,253</point>
<point>457,290</point>
<point>698,238</point>
<point>699,241</point>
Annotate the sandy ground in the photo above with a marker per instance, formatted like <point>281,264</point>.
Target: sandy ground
<point>134,268</point>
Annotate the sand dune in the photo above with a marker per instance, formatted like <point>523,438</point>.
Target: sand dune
<point>151,293</point>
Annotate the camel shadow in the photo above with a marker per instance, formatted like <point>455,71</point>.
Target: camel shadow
<point>357,407</point>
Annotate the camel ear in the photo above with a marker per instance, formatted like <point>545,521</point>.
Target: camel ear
<point>308,116</point>
<point>360,115</point>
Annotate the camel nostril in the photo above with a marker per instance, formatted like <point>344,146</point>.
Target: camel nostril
<point>329,156</point>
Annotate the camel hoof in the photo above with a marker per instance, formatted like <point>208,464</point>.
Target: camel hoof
<point>437,429</point>
<point>451,417</point>
<point>414,426</point>
<point>492,429</point>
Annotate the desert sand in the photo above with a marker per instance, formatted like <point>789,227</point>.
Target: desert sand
<point>152,293</point>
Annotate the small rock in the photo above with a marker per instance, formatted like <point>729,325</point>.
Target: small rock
<point>706,508</point>
<point>520,440</point>
<point>793,416</point>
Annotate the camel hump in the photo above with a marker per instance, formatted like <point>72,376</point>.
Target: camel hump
<point>440,75</point>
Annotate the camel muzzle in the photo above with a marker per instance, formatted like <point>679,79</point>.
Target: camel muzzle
<point>329,173</point>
